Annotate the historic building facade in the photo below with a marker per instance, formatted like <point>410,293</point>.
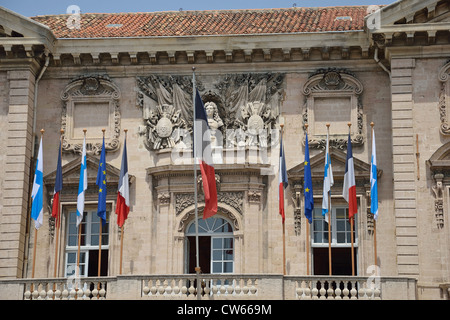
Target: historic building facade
<point>257,71</point>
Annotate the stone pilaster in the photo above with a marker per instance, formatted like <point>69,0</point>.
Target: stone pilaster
<point>404,167</point>
<point>17,173</point>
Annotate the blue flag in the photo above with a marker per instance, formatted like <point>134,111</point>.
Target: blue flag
<point>308,190</point>
<point>101,183</point>
<point>37,195</point>
<point>373,180</point>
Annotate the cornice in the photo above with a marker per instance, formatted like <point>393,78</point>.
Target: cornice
<point>209,49</point>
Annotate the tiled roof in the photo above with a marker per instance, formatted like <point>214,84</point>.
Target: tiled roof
<point>220,22</point>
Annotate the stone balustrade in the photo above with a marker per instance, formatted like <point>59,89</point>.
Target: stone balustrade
<point>65,289</point>
<point>212,287</point>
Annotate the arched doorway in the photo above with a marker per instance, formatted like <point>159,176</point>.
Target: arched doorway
<point>216,246</point>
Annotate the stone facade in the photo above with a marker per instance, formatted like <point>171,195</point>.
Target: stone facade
<point>392,72</point>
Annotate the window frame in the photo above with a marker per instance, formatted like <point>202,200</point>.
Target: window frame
<point>334,231</point>
<point>214,235</point>
<point>88,245</point>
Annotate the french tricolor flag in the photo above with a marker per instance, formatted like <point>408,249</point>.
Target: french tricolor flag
<point>283,180</point>
<point>123,190</point>
<point>57,190</point>
<point>349,190</point>
<point>203,154</point>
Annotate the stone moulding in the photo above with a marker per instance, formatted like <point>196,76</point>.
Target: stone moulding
<point>242,109</point>
<point>444,99</point>
<point>328,85</point>
<point>98,91</point>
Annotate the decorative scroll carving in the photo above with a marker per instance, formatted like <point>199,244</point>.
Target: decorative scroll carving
<point>329,86</point>
<point>99,91</point>
<point>233,199</point>
<point>187,217</point>
<point>438,191</point>
<point>444,98</point>
<point>244,108</point>
<point>254,196</point>
<point>296,200</point>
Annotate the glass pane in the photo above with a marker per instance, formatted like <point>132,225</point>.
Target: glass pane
<point>105,240</point>
<point>228,243</point>
<point>341,213</point>
<point>340,225</point>
<point>217,243</point>
<point>71,257</point>
<point>341,237</point>
<point>317,214</point>
<point>228,255</point>
<point>72,241</point>
<point>217,255</point>
<point>202,226</point>
<point>94,240</point>
<point>217,267</point>
<point>228,267</point>
<point>318,237</point>
<point>72,228</point>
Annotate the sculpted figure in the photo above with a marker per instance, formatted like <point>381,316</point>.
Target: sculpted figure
<point>214,120</point>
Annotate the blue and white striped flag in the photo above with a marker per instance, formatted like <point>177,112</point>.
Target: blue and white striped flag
<point>373,180</point>
<point>82,186</point>
<point>37,194</point>
<point>327,182</point>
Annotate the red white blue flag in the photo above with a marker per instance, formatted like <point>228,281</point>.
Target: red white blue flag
<point>123,193</point>
<point>283,180</point>
<point>349,189</point>
<point>57,189</point>
<point>203,154</point>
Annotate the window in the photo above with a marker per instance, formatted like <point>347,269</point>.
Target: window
<point>89,245</point>
<point>341,261</point>
<point>216,246</point>
<point>340,228</point>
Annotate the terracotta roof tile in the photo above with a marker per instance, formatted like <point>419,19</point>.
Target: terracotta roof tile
<point>221,22</point>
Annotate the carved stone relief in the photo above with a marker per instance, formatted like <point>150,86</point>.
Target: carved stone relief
<point>241,108</point>
<point>444,99</point>
<point>438,191</point>
<point>233,199</point>
<point>333,96</point>
<point>85,98</point>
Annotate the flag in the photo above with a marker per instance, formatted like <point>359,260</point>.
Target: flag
<point>101,183</point>
<point>282,179</point>
<point>37,194</point>
<point>82,185</point>
<point>308,190</point>
<point>123,193</point>
<point>57,189</point>
<point>327,182</point>
<point>203,154</point>
<point>373,180</point>
<point>349,189</point>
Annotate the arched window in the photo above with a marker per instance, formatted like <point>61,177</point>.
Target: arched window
<point>216,246</point>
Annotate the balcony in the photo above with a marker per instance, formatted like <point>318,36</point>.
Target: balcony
<point>212,287</point>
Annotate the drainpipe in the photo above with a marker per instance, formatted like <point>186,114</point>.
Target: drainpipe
<point>31,177</point>
<point>377,60</point>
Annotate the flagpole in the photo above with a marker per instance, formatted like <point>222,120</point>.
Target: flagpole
<point>329,212</point>
<point>374,220</point>
<point>197,257</point>
<point>122,231</point>
<point>351,223</point>
<point>307,232</point>
<point>57,221</point>
<point>283,222</point>
<point>35,233</point>
<point>121,248</point>
<point>79,231</point>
